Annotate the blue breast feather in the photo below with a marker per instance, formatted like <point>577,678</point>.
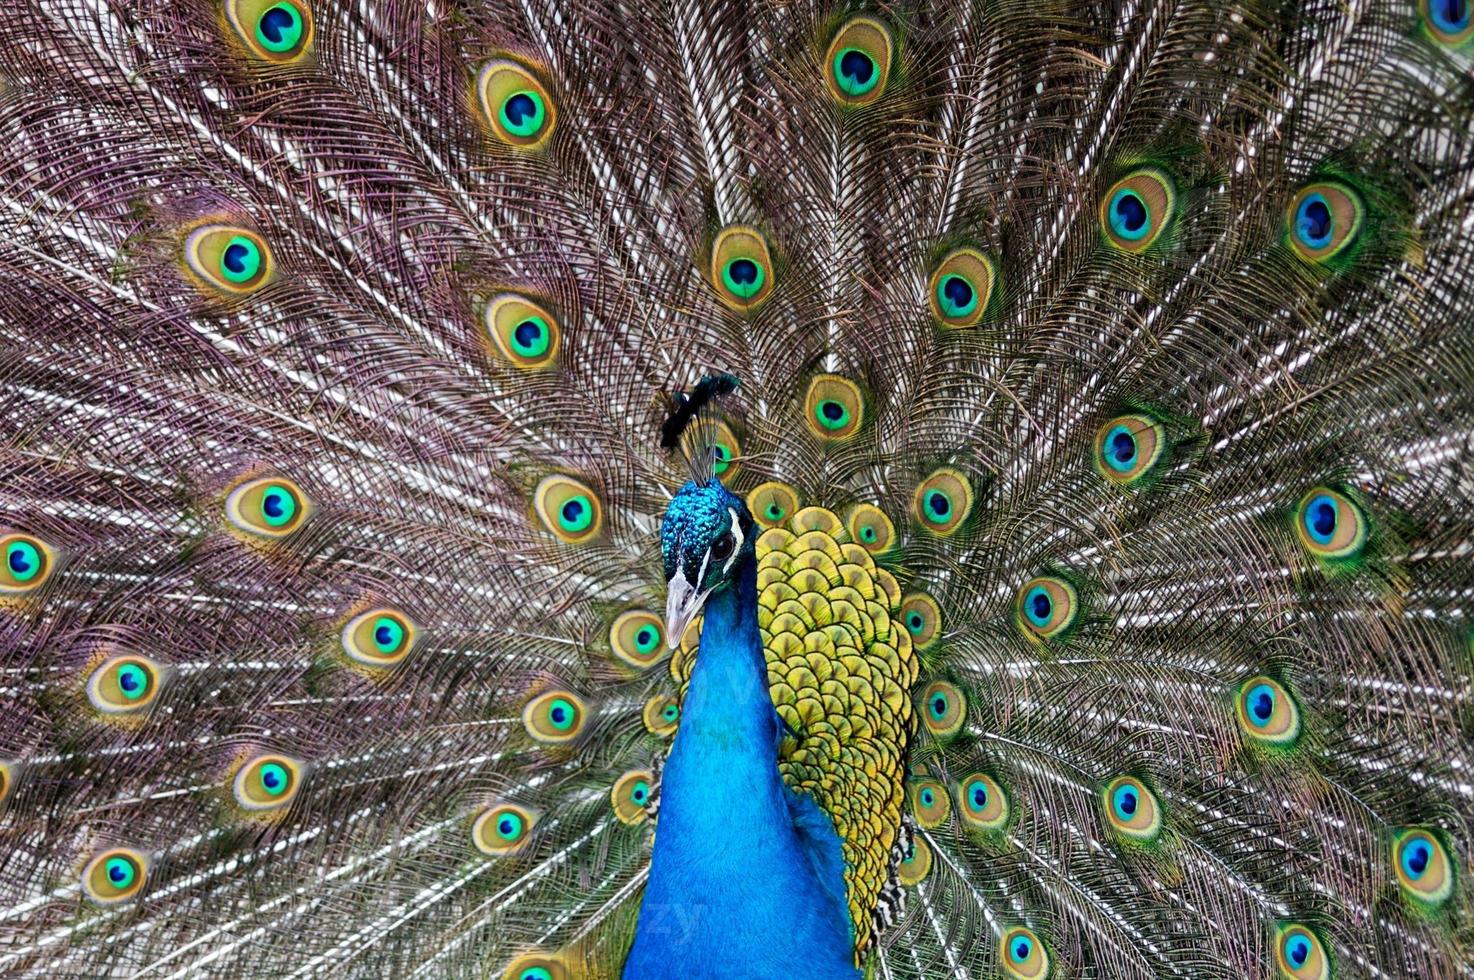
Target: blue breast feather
<point>747,878</point>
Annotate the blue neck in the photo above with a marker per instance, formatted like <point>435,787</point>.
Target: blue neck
<point>736,888</point>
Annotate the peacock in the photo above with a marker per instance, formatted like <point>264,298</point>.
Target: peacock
<point>554,489</point>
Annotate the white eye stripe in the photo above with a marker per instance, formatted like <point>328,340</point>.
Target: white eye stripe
<point>737,545</point>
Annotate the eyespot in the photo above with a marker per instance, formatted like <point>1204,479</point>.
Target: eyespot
<point>568,508</point>
<point>28,564</point>
<point>943,501</point>
<point>1137,209</point>
<point>1046,607</point>
<point>943,709</point>
<point>718,439</point>
<point>227,259</point>
<point>502,829</point>
<point>124,685</point>
<point>522,331</point>
<point>1126,448</point>
<point>1330,525</point>
<point>267,782</point>
<point>834,408</point>
<point>1132,810</point>
<point>515,104</point>
<point>631,794</point>
<point>116,875</point>
<point>772,503</point>
<point>930,803</point>
<point>916,865</point>
<point>1451,22</point>
<point>1299,953</point>
<point>1267,713</point>
<point>278,32</point>
<point>637,637</point>
<point>922,618</point>
<point>1323,220</point>
<point>271,507</point>
<point>554,717</point>
<point>982,802</point>
<point>858,61</point>
<point>661,715</point>
<point>378,637</point>
<point>871,529</point>
<point>537,966</point>
<point>1423,870</point>
<point>961,287</point>
<point>1022,954</point>
<point>741,267</point>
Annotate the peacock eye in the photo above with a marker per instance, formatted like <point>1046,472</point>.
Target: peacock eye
<point>1046,607</point>
<point>636,637</point>
<point>1451,22</point>
<point>661,714</point>
<point>1330,525</point>
<point>516,104</point>
<point>114,876</point>
<point>630,795</point>
<point>502,829</point>
<point>276,31</point>
<point>917,864</point>
<point>943,709</point>
<point>226,259</point>
<point>1324,220</point>
<point>380,637</point>
<point>834,408</point>
<point>1423,869</point>
<point>961,287</point>
<point>984,804</point>
<point>1128,447</point>
<point>123,685</point>
<point>1300,954</point>
<point>716,441</point>
<point>741,267</point>
<point>772,502</point>
<point>267,508</point>
<point>557,716</point>
<point>266,783</point>
<point>27,563</point>
<point>871,528</point>
<point>721,548</point>
<point>1267,713</point>
<point>1137,209</point>
<point>858,61</point>
<point>1132,810</point>
<point>524,332</point>
<point>943,501</point>
<point>930,804</point>
<point>568,508</point>
<point>922,618</point>
<point>1023,955</point>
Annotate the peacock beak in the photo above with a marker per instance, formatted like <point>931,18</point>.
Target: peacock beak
<point>682,604</point>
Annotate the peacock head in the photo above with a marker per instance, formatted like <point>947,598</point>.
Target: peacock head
<point>706,538</point>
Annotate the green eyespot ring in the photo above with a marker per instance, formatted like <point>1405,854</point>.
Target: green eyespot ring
<point>115,876</point>
<point>515,104</point>
<point>274,31</point>
<point>279,29</point>
<point>858,61</point>
<point>241,260</point>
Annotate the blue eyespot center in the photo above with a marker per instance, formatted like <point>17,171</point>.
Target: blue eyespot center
<point>914,622</point>
<point>572,511</point>
<point>1130,217</point>
<point>1320,519</point>
<point>520,108</point>
<point>939,706</point>
<point>857,66</point>
<point>1450,16</point>
<point>117,872</point>
<point>1298,950</point>
<point>1040,607</point>
<point>22,560</point>
<point>1314,222</point>
<point>1125,802</point>
<point>132,681</point>
<point>1261,704</point>
<point>743,272</point>
<point>1122,448</point>
<point>235,258</point>
<point>384,635</point>
<point>1415,858</point>
<point>833,411</point>
<point>978,791</point>
<point>279,26</point>
<point>528,333</point>
<point>670,712</point>
<point>927,797</point>
<point>1021,949</point>
<point>559,714</point>
<point>938,504</point>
